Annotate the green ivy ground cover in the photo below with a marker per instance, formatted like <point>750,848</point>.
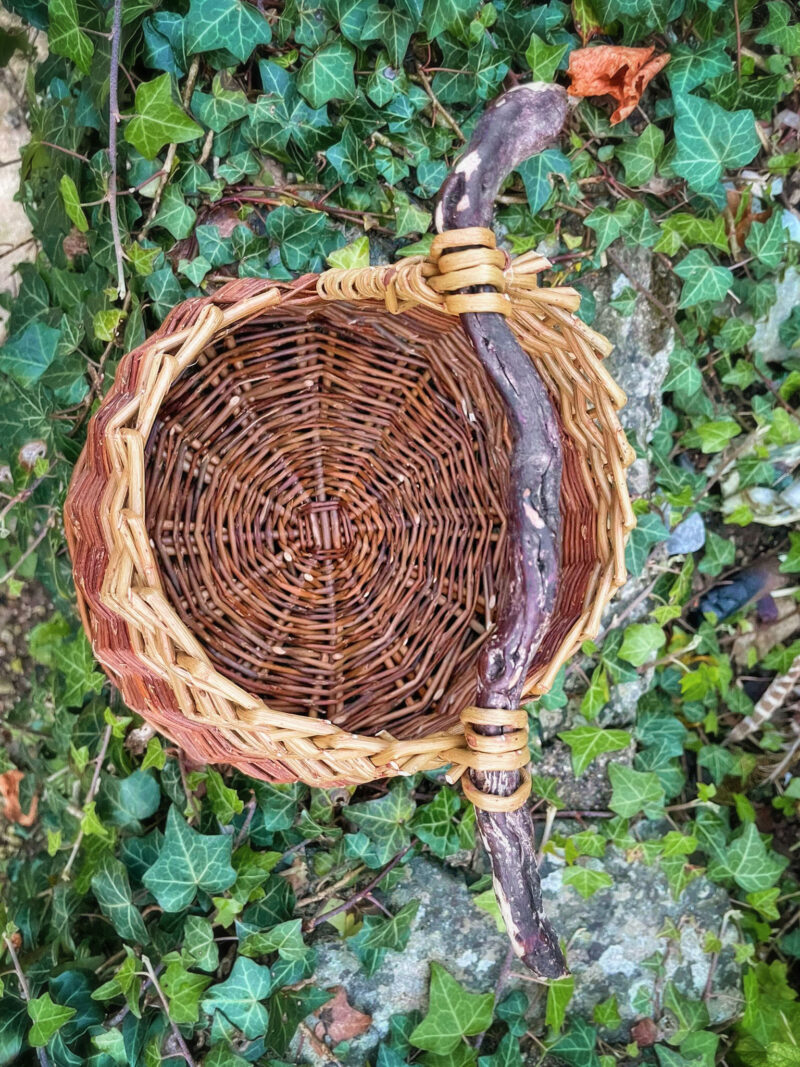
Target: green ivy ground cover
<point>146,912</point>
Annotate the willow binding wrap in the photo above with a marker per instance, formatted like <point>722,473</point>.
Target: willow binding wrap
<point>290,525</point>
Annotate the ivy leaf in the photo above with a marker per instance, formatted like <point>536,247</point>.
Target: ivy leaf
<point>328,74</point>
<point>378,935</point>
<point>239,997</point>
<point>448,15</point>
<point>577,1046</point>
<point>689,67</point>
<point>453,1013</point>
<point>391,26</point>
<point>507,1054</point>
<point>639,156</point>
<point>199,947</point>
<point>712,436</point>
<point>589,742</point>
<point>606,1013</point>
<point>212,246</point>
<point>355,254</point>
<point>720,552</point>
<point>559,994</point>
<point>536,174</point>
<point>28,355</point>
<point>684,375</point>
<point>183,989</point>
<point>778,32</point>
<point>433,823</point>
<point>717,761</point>
<point>641,640</point>
<point>175,215</point>
<point>408,217</point>
<point>747,861</point>
<point>286,939</point>
<point>350,158</point>
<point>230,25</point>
<point>188,861</point>
<point>586,880</point>
<point>634,792</point>
<point>72,203</point>
<point>66,38</point>
<point>385,822</point>
<point>543,58</point>
<point>47,1018</point>
<point>703,279</point>
<point>691,1015</point>
<point>296,231</point>
<point>221,107</point>
<point>158,120</point>
<point>112,890</point>
<point>791,564</point>
<point>75,660</point>
<point>684,229</point>
<point>709,139</point>
<point>766,241</point>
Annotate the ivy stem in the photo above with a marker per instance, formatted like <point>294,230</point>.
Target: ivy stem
<point>24,989</point>
<point>113,122</point>
<point>93,786</point>
<point>184,1049</point>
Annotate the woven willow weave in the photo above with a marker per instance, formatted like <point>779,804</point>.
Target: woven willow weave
<point>288,526</point>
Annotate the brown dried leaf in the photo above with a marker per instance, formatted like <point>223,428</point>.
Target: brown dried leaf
<point>9,792</point>
<point>612,70</point>
<point>338,1021</point>
<point>739,217</point>
<point>75,244</point>
<point>645,1033</point>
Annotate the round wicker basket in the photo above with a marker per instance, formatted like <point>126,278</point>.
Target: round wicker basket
<point>298,524</point>
<point>288,523</point>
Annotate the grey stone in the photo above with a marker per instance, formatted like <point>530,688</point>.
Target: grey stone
<point>688,536</point>
<point>642,340</point>
<point>611,938</point>
<point>766,341</point>
<point>617,931</point>
<point>590,792</point>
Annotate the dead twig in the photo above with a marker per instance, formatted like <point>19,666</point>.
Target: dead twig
<point>438,107</point>
<point>24,989</point>
<point>29,550</point>
<point>172,151</point>
<point>312,924</point>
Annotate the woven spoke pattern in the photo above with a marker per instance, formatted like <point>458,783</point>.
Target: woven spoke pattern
<point>328,511</point>
<point>287,524</point>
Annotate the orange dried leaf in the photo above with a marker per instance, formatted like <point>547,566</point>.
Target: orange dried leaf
<point>9,793</point>
<point>612,70</point>
<point>339,1021</point>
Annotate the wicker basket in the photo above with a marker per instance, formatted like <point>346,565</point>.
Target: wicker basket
<point>289,523</point>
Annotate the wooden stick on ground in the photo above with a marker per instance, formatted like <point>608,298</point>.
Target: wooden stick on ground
<point>517,125</point>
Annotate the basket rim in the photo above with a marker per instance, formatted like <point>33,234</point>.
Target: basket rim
<point>131,595</point>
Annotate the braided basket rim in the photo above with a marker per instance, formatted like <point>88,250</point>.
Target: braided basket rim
<point>163,671</point>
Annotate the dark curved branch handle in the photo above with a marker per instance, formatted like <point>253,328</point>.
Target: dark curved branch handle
<point>517,125</point>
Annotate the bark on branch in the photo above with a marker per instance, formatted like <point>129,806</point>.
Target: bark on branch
<point>517,125</point>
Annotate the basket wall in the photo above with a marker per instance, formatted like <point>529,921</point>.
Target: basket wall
<point>141,628</point>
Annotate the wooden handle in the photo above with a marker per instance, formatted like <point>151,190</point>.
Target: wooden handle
<point>517,125</point>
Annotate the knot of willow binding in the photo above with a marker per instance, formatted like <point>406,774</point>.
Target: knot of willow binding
<point>288,527</point>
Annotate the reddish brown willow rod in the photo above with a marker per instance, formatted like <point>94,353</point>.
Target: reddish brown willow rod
<point>517,125</point>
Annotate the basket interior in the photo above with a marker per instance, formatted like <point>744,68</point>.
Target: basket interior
<point>326,491</point>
